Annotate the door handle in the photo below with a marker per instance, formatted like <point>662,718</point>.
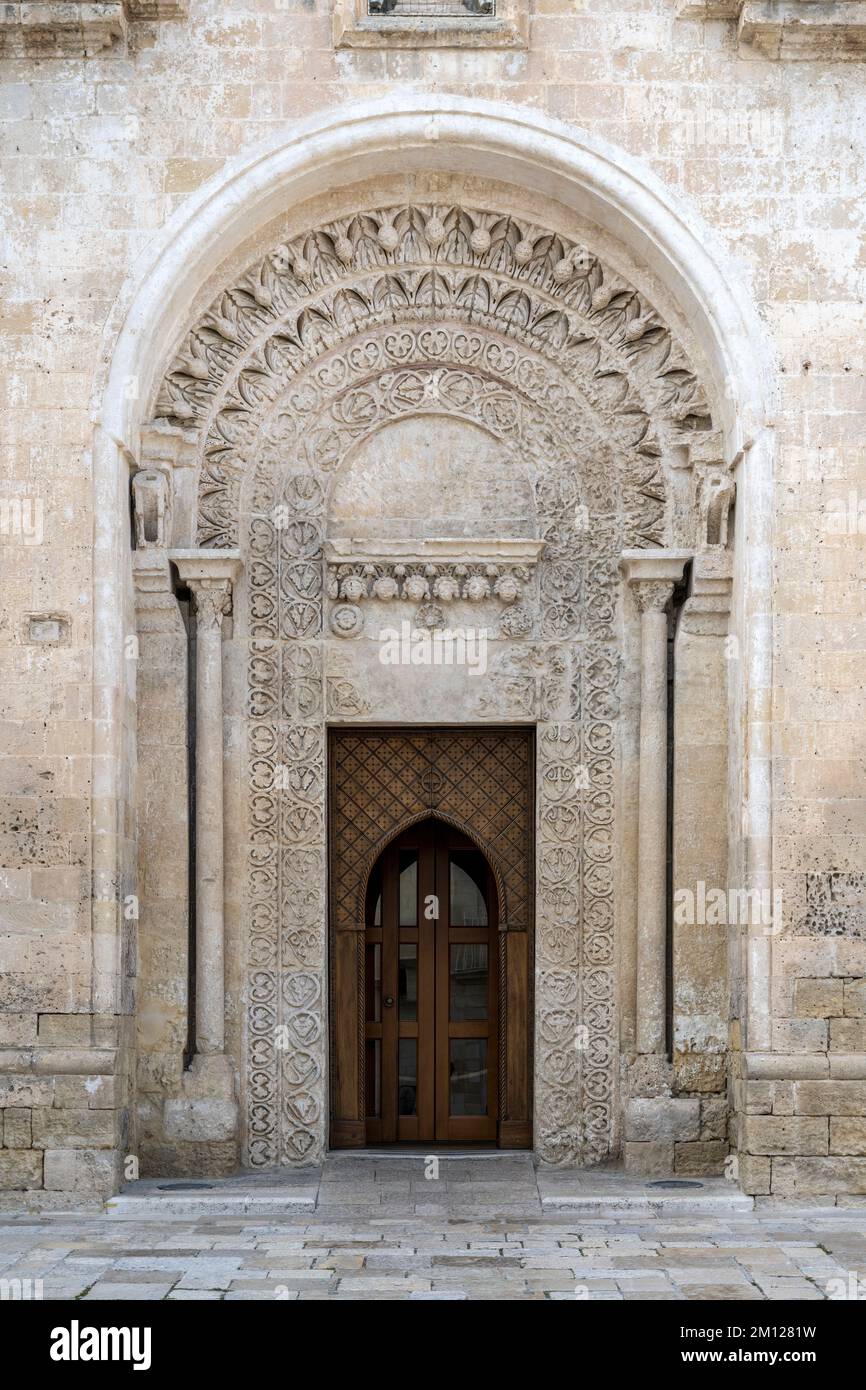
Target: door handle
<point>389,1001</point>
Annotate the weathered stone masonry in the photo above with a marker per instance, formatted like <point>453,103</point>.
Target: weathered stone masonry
<point>359,309</point>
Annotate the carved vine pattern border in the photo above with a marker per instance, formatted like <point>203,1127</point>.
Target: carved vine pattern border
<point>577,701</point>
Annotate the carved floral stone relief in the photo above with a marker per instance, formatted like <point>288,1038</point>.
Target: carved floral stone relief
<point>447,313</point>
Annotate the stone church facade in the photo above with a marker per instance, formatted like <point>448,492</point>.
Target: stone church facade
<point>433,616</point>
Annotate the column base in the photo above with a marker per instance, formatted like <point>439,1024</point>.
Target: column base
<point>669,1134</point>
<point>207,1110</point>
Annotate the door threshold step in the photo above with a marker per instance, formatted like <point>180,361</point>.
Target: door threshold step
<point>425,1151</point>
<point>606,1194</point>
<point>179,1201</point>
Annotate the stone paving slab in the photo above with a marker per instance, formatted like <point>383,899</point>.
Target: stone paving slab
<point>364,1240</point>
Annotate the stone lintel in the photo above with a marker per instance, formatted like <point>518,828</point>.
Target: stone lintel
<point>804,29</point>
<point>157,9</point>
<point>350,550</point>
<point>354,27</point>
<point>709,9</point>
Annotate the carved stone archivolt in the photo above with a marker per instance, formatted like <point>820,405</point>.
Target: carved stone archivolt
<point>449,313</point>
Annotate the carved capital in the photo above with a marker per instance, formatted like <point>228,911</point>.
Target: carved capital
<point>652,595</point>
<point>652,575</point>
<point>210,575</point>
<point>213,602</point>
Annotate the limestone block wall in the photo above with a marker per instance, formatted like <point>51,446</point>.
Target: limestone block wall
<point>100,143</point>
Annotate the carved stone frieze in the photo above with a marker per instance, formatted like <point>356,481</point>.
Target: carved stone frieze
<point>430,572</point>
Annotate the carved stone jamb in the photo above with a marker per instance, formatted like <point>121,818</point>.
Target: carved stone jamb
<point>155,605</point>
<point>652,575</point>
<point>708,606</point>
<point>151,493</point>
<point>210,575</point>
<point>163,495</point>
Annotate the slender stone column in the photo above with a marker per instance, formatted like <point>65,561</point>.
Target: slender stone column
<point>209,575</point>
<point>651,576</point>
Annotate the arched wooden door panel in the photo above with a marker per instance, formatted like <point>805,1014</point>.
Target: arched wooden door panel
<point>431,997</point>
<point>430,971</point>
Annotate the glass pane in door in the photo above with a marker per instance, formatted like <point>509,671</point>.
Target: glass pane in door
<point>468,1079</point>
<point>468,876</point>
<point>407,984</point>
<point>468,982</point>
<point>408,888</point>
<point>407,1076</point>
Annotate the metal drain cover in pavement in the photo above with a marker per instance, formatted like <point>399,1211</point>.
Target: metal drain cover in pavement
<point>186,1187</point>
<point>674,1182</point>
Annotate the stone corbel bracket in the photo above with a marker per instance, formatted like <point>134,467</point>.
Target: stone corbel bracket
<point>69,28</point>
<point>163,494</point>
<point>431,571</point>
<point>790,29</point>
<point>171,450</point>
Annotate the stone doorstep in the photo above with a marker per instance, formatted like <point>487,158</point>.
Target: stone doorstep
<point>611,1194</point>
<point>587,1192</point>
<point>195,1206</point>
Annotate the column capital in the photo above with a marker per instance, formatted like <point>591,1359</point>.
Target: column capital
<point>652,595</point>
<point>652,574</point>
<point>210,574</point>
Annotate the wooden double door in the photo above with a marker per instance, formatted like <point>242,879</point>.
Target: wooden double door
<point>431,996</point>
<point>431,853</point>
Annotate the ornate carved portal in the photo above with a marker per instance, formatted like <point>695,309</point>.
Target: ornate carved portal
<point>482,783</point>
<point>567,414</point>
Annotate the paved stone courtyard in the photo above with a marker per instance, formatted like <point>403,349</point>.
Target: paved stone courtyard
<point>380,1229</point>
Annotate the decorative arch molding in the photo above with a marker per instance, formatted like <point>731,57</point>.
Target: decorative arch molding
<point>484,272</point>
<point>426,131</point>
<point>517,395</point>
